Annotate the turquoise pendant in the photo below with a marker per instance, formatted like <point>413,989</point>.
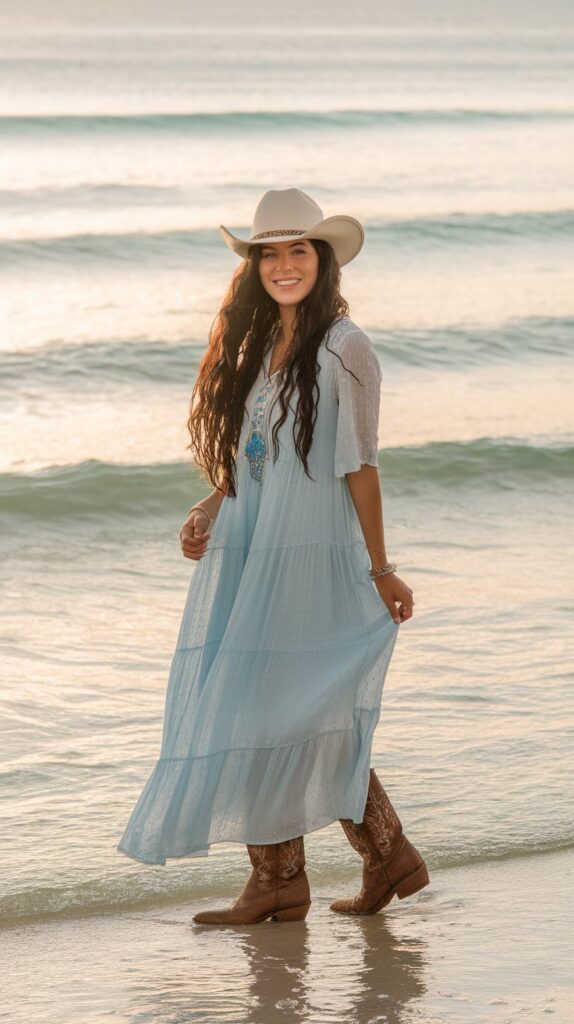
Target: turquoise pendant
<point>256,448</point>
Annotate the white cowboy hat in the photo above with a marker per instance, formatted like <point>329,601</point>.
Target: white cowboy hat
<point>285,213</point>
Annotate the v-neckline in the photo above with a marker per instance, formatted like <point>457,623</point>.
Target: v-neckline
<point>275,332</point>
<point>267,363</point>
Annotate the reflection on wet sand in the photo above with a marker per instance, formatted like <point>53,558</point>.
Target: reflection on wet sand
<point>357,970</point>
<point>328,967</point>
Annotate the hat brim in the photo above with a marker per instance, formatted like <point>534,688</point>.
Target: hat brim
<point>345,234</point>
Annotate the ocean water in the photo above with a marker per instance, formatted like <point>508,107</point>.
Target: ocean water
<point>122,152</point>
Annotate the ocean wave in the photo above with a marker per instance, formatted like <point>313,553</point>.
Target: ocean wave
<point>94,362</point>
<point>93,490</point>
<point>460,347</point>
<point>503,463</point>
<point>477,228</point>
<point>175,363</point>
<point>135,890</point>
<point>172,248</point>
<point>227,121</point>
<point>176,247</point>
<point>44,197</point>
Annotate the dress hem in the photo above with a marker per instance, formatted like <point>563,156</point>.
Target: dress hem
<point>204,851</point>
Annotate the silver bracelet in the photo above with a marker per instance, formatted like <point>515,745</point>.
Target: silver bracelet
<point>383,570</point>
<point>202,509</point>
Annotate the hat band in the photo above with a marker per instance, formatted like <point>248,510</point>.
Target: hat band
<point>279,231</point>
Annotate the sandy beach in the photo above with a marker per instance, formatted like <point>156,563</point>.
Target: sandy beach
<point>483,944</point>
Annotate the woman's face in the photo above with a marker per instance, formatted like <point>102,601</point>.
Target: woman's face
<point>288,270</point>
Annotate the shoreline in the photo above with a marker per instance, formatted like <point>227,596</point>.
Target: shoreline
<point>478,944</point>
<point>227,883</point>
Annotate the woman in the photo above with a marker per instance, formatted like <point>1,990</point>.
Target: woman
<point>276,682</point>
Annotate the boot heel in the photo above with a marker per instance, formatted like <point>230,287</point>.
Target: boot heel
<point>413,882</point>
<point>292,914</point>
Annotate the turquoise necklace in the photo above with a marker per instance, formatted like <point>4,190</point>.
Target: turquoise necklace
<point>256,449</point>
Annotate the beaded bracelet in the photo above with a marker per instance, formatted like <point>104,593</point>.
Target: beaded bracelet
<point>384,569</point>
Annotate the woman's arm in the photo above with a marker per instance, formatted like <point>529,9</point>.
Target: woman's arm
<point>365,490</point>
<point>195,532</point>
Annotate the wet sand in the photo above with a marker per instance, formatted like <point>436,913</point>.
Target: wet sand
<point>485,943</point>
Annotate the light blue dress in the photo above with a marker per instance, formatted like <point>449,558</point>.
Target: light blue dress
<point>275,686</point>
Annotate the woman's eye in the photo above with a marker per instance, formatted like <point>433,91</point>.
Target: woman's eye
<point>298,252</point>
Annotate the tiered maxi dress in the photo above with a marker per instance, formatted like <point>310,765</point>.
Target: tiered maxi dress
<point>275,686</point>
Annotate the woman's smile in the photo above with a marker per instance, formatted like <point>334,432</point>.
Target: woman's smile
<point>289,282</point>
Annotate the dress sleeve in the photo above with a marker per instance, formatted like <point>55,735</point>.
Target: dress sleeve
<point>356,440</point>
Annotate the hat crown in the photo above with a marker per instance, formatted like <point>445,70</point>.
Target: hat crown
<point>285,214</point>
<point>283,210</point>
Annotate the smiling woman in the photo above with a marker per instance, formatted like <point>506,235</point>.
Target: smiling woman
<point>276,682</point>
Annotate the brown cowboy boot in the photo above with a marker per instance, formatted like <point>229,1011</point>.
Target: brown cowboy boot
<point>390,863</point>
<point>277,887</point>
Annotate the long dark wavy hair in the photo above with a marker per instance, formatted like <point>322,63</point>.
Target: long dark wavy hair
<point>238,338</point>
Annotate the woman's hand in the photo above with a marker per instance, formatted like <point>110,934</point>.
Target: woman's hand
<point>393,591</point>
<point>194,535</point>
